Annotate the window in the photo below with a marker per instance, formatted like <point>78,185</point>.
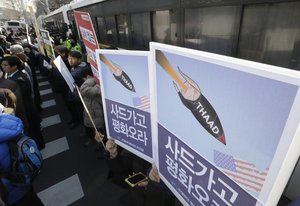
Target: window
<point>94,22</point>
<point>270,33</point>
<point>165,26</point>
<point>211,29</point>
<point>140,30</point>
<point>123,31</point>
<point>101,27</point>
<point>11,23</point>
<point>111,31</point>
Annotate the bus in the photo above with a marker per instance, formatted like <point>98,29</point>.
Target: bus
<point>265,31</point>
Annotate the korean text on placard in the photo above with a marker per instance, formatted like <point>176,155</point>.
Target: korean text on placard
<point>194,178</point>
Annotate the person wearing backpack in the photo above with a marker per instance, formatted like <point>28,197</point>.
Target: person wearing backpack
<point>17,193</point>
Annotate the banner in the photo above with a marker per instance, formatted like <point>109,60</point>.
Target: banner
<point>226,128</point>
<point>62,68</point>
<point>47,43</point>
<point>125,93</point>
<point>27,35</point>
<point>86,29</point>
<point>37,30</point>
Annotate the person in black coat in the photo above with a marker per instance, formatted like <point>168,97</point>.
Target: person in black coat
<point>13,67</point>
<point>122,163</point>
<point>74,104</point>
<point>20,109</point>
<point>33,62</point>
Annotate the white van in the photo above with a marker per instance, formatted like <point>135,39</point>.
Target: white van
<point>12,24</point>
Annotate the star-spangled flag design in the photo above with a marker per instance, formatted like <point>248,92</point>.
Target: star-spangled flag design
<point>142,103</point>
<point>245,174</point>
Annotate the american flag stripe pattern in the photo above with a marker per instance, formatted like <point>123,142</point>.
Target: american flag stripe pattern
<point>245,174</point>
<point>142,103</point>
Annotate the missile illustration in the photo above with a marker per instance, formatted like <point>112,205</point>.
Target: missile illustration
<point>192,98</point>
<point>118,73</point>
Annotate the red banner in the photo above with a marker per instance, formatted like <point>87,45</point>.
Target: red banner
<point>89,38</point>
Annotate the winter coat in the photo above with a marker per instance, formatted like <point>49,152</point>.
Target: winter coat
<point>90,92</point>
<point>10,128</point>
<point>32,114</point>
<point>28,73</point>
<point>20,108</point>
<point>33,63</point>
<point>76,73</point>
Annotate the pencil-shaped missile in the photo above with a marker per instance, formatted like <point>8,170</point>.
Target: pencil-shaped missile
<point>118,73</point>
<point>191,97</point>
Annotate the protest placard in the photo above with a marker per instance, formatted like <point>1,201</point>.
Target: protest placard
<point>63,69</point>
<point>47,43</point>
<point>125,92</point>
<point>226,128</point>
<point>89,38</point>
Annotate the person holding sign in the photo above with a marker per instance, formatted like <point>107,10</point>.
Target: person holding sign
<point>90,92</point>
<point>143,189</point>
<point>123,163</point>
<point>74,103</point>
<point>63,52</point>
<point>58,81</point>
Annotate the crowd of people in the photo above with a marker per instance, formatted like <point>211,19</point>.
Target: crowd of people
<point>21,102</point>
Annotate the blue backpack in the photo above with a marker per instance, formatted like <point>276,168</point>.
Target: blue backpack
<point>26,160</point>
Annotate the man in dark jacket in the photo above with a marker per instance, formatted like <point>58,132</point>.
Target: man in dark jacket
<point>13,67</point>
<point>12,86</point>
<point>74,103</point>
<point>33,63</point>
<point>10,128</point>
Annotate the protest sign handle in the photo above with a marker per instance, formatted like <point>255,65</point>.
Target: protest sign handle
<point>165,64</point>
<point>89,115</point>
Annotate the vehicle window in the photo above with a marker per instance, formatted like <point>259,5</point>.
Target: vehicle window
<point>165,26</point>
<point>13,23</point>
<point>141,30</point>
<point>123,31</point>
<point>270,33</point>
<point>111,31</point>
<point>211,29</point>
<point>101,27</point>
